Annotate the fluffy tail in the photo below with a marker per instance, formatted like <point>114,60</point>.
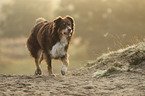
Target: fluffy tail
<point>40,20</point>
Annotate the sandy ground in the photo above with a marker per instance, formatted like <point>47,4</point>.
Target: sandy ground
<point>77,83</point>
<point>124,76</point>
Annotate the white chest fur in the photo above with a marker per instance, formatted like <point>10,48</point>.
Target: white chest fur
<point>58,49</point>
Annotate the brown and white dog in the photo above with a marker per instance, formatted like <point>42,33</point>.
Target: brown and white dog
<point>50,40</point>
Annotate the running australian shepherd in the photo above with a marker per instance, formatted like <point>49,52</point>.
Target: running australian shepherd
<point>50,40</point>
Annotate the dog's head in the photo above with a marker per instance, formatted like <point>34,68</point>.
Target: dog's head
<point>65,26</point>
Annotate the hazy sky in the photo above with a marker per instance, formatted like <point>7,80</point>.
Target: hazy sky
<point>54,2</point>
<point>3,1</point>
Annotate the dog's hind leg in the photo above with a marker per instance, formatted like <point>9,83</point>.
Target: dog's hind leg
<point>41,57</point>
<point>37,62</point>
<point>38,70</point>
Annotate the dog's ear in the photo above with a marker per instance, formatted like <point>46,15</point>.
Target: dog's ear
<point>71,20</point>
<point>58,20</point>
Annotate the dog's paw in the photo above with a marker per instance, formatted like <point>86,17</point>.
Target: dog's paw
<point>63,70</point>
<point>38,72</point>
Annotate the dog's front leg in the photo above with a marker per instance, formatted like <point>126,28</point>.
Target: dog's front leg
<point>49,66</point>
<point>65,62</point>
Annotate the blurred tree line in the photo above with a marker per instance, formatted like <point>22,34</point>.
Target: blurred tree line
<point>101,24</point>
<point>20,16</point>
<point>106,24</point>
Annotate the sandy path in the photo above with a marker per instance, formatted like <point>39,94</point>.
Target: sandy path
<point>116,84</point>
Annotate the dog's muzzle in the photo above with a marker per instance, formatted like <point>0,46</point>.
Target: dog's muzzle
<point>68,32</point>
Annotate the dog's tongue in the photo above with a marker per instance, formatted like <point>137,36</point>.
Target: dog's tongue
<point>68,34</point>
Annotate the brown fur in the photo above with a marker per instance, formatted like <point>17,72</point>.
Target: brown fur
<point>45,35</point>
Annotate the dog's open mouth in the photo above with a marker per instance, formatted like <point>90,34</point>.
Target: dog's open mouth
<point>68,33</point>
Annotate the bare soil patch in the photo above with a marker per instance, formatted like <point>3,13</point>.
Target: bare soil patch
<point>122,73</point>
